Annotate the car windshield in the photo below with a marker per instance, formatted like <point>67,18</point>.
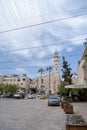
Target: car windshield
<point>52,97</point>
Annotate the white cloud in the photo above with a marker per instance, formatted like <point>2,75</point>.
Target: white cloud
<point>20,71</point>
<point>15,14</point>
<point>69,49</point>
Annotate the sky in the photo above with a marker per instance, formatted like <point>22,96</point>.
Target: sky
<point>31,30</point>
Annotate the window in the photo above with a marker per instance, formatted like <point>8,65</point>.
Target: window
<point>21,83</point>
<point>4,79</point>
<point>23,79</point>
<point>14,80</point>
<point>18,79</point>
<point>10,79</point>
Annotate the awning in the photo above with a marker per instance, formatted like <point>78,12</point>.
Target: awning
<point>75,86</point>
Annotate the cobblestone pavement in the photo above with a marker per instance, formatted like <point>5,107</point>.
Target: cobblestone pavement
<point>34,114</point>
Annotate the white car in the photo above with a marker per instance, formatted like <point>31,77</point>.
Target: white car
<point>31,96</point>
<point>19,95</point>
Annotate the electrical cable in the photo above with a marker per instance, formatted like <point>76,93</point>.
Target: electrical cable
<point>7,51</point>
<point>43,23</point>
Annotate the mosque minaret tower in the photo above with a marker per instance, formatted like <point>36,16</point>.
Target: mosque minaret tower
<point>56,71</point>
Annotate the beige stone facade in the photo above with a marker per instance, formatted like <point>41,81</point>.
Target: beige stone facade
<point>81,78</point>
<point>54,78</point>
<point>33,83</point>
<point>1,78</point>
<point>21,82</point>
<point>75,79</point>
<point>82,69</point>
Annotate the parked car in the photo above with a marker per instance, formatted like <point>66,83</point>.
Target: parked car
<point>31,96</point>
<point>19,95</point>
<point>4,95</point>
<point>53,101</point>
<point>43,96</point>
<point>59,97</point>
<point>39,94</point>
<point>10,95</point>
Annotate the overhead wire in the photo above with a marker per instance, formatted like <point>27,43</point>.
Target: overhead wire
<point>21,49</point>
<point>53,14</point>
<point>31,59</point>
<point>16,5</point>
<point>43,23</point>
<point>42,39</point>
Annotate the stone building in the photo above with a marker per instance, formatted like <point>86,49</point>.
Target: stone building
<point>21,82</point>
<point>54,84</point>
<point>80,79</point>
<point>1,79</point>
<point>82,69</point>
<point>33,83</point>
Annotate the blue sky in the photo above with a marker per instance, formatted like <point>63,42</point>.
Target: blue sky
<point>30,30</point>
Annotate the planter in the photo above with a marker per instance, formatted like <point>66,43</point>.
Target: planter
<point>75,122</point>
<point>63,103</point>
<point>68,108</point>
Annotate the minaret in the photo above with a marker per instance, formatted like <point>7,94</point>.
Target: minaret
<point>56,72</point>
<point>56,67</point>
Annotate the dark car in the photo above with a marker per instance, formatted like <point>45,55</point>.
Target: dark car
<point>9,95</point>
<point>53,101</point>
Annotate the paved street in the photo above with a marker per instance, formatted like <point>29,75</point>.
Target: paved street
<point>28,114</point>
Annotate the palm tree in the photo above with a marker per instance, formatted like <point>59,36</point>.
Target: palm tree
<point>49,69</point>
<point>41,71</point>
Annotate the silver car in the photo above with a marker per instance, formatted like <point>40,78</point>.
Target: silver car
<point>31,96</point>
<point>53,101</point>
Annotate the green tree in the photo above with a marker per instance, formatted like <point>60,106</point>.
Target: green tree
<point>66,72</point>
<point>11,88</point>
<point>62,90</point>
<point>1,88</point>
<point>41,71</point>
<point>23,89</point>
<point>49,70</point>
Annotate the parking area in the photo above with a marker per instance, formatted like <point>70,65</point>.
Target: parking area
<point>34,114</point>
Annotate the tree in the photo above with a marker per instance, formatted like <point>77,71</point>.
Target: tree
<point>66,72</point>
<point>49,69</point>
<point>11,88</point>
<point>62,90</point>
<point>41,71</point>
<point>23,89</point>
<point>1,88</point>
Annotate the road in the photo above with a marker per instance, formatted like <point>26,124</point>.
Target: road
<point>30,114</point>
<point>34,114</point>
